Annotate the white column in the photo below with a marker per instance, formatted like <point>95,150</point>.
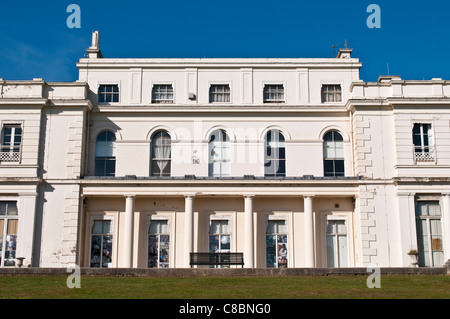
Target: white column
<point>248,233</point>
<point>309,231</point>
<point>128,232</point>
<point>25,234</point>
<point>446,224</point>
<point>188,228</point>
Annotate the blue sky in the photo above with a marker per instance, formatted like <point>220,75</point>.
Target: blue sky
<point>413,39</point>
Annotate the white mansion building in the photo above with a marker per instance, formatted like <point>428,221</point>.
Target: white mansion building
<point>295,162</point>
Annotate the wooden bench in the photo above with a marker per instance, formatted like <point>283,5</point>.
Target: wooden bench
<point>217,259</point>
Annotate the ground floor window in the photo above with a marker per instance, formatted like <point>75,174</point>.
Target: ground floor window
<point>219,236</point>
<point>8,233</point>
<point>101,244</point>
<point>158,244</point>
<point>429,233</point>
<point>337,243</point>
<point>276,244</point>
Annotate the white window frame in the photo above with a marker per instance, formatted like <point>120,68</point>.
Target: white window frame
<point>163,217</point>
<point>154,159</point>
<point>6,218</point>
<point>118,83</point>
<point>322,84</point>
<point>276,217</point>
<point>227,218</point>
<point>275,158</point>
<point>10,155</point>
<point>269,101</point>
<point>103,217</point>
<point>336,248</point>
<point>423,156</point>
<point>163,101</point>
<point>427,219</point>
<point>224,160</point>
<point>211,84</point>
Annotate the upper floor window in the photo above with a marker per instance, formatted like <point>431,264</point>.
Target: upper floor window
<point>273,93</point>
<point>219,154</point>
<point>11,143</point>
<point>333,154</point>
<point>105,154</point>
<point>162,93</point>
<point>331,93</point>
<point>160,154</point>
<point>108,93</point>
<point>219,93</point>
<point>275,154</point>
<point>423,142</point>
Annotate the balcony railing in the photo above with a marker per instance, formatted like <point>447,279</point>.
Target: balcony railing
<point>424,154</point>
<point>10,155</point>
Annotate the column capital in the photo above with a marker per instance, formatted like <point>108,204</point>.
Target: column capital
<point>249,195</point>
<point>189,195</point>
<point>308,196</point>
<point>129,195</point>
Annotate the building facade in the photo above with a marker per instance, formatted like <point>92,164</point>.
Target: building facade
<point>294,162</point>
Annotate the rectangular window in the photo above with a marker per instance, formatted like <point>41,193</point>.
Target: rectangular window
<point>273,93</point>
<point>219,93</point>
<point>158,244</point>
<point>108,93</point>
<point>11,143</point>
<point>162,93</point>
<point>101,244</point>
<point>331,93</point>
<point>276,244</point>
<point>8,233</point>
<point>429,234</point>
<point>337,246</point>
<point>423,142</point>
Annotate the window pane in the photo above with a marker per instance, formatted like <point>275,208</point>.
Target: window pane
<point>331,244</point>
<point>343,250</point>
<point>422,242</point>
<point>159,227</point>
<point>214,243</point>
<point>107,251</point>
<point>8,208</point>
<point>152,251</point>
<point>95,251</point>
<point>282,251</point>
<point>164,251</point>
<point>271,261</point>
<point>328,167</point>
<point>434,209</point>
<point>339,168</point>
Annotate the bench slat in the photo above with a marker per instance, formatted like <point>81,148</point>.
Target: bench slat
<point>219,259</point>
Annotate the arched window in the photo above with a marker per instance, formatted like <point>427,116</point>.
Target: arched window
<point>105,154</point>
<point>333,154</point>
<point>160,154</point>
<point>275,154</point>
<point>219,154</point>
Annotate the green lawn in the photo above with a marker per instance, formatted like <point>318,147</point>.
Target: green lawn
<point>392,286</point>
